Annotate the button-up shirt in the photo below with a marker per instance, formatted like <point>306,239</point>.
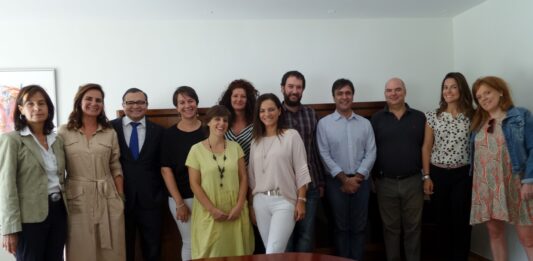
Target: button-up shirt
<point>141,130</point>
<point>304,120</point>
<point>49,159</point>
<point>346,144</point>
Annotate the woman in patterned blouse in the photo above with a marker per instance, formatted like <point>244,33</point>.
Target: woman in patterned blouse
<point>446,156</point>
<point>240,99</point>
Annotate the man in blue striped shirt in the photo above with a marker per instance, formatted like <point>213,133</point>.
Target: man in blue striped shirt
<point>347,148</point>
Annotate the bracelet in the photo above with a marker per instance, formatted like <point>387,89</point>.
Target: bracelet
<point>180,206</point>
<point>302,199</point>
<point>426,177</point>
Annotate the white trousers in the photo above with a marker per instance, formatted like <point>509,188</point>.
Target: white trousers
<point>275,221</point>
<point>183,227</point>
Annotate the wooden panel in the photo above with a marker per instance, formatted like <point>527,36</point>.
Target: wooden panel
<point>169,117</point>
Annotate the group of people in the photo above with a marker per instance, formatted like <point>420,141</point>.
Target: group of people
<point>250,176</point>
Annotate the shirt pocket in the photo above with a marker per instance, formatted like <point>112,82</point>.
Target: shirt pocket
<point>72,147</point>
<point>101,152</point>
<point>517,148</point>
<point>113,201</point>
<point>517,131</point>
<point>75,199</point>
<point>103,149</point>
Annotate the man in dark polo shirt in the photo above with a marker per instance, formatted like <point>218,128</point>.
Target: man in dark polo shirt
<point>399,134</point>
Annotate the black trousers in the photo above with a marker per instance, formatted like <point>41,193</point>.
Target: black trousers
<point>44,241</point>
<point>148,222</point>
<point>451,202</point>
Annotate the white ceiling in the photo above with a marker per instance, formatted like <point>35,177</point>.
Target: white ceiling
<point>228,9</point>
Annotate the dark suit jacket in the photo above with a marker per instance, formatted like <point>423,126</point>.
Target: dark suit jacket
<point>143,183</point>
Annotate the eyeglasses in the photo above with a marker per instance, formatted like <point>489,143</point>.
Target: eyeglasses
<point>490,128</point>
<point>131,103</point>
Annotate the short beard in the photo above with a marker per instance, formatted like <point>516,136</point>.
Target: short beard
<point>291,103</point>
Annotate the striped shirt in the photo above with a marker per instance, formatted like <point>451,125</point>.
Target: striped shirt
<point>244,139</point>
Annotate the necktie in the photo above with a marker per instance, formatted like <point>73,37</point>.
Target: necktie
<point>134,140</point>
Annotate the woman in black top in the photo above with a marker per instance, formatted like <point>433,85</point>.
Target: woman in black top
<point>177,141</point>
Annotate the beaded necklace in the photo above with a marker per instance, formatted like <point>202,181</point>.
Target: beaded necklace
<point>220,169</point>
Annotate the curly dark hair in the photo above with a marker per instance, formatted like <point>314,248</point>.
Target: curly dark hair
<point>25,94</point>
<point>259,127</point>
<point>251,97</point>
<point>76,116</point>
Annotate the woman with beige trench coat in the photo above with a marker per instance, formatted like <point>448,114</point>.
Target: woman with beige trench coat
<point>94,185</point>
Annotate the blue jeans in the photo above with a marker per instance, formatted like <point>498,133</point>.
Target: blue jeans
<point>350,212</point>
<point>303,234</point>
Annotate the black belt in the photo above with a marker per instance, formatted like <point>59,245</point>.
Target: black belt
<point>55,197</point>
<point>400,177</point>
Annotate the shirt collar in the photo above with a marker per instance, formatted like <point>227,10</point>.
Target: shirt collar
<point>407,108</point>
<point>50,138</point>
<point>126,121</point>
<point>284,106</point>
<point>26,131</point>
<point>460,116</point>
<point>337,116</point>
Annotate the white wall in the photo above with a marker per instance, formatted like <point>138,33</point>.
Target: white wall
<point>159,56</point>
<point>496,38</point>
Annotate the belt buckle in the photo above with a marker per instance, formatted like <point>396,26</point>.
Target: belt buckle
<point>55,197</point>
<point>274,192</point>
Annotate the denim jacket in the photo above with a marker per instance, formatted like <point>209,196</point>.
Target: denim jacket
<point>518,131</point>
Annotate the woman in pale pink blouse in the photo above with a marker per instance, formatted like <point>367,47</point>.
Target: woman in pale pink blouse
<point>278,174</point>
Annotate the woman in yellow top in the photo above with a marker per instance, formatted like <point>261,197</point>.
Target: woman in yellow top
<point>217,173</point>
<point>94,181</point>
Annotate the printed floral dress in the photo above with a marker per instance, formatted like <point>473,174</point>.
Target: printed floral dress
<point>496,191</point>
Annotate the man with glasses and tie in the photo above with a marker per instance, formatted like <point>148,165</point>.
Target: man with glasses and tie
<point>140,142</point>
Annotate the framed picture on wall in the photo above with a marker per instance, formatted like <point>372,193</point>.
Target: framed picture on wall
<point>12,79</point>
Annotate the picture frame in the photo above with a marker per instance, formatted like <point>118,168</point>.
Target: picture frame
<point>12,80</point>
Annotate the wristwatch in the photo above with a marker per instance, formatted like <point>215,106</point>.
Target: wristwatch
<point>426,177</point>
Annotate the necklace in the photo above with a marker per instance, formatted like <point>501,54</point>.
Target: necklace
<point>220,169</point>
<point>265,151</point>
